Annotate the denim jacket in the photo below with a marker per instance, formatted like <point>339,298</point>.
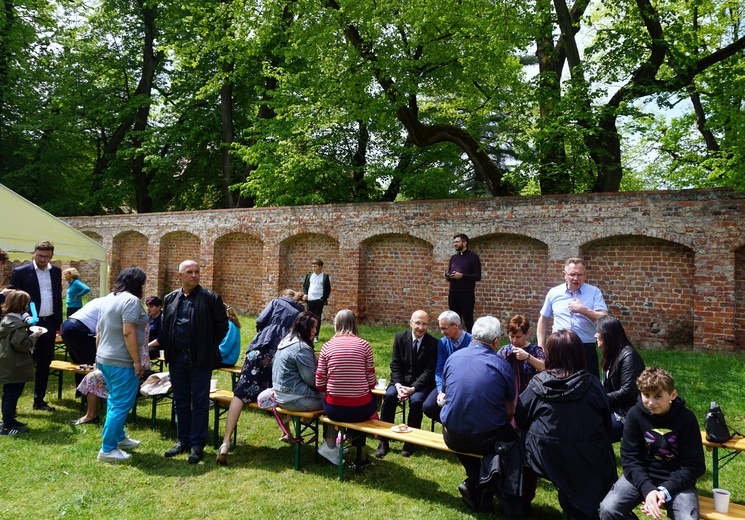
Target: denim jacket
<point>294,368</point>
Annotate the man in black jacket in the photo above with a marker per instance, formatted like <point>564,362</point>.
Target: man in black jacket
<point>194,324</point>
<point>412,376</point>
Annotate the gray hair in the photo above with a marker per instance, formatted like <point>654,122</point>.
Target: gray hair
<point>450,316</point>
<point>344,322</point>
<point>486,329</point>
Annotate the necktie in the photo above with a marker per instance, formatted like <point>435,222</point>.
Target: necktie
<point>416,346</point>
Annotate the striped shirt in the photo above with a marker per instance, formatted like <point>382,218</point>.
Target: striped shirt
<point>346,371</point>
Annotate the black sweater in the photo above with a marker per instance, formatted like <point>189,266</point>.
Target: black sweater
<point>662,450</point>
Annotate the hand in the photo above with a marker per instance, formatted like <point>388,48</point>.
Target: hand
<point>456,275</point>
<point>575,305</point>
<point>139,369</point>
<point>441,399</point>
<point>36,334</point>
<point>652,503</point>
<point>520,354</point>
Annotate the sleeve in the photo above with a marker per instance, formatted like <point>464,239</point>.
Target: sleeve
<point>547,309</point>
<point>306,283</point>
<point>306,365</point>
<point>20,341</point>
<point>263,319</point>
<point>398,371</point>
<point>326,288</point>
<point>633,452</point>
<point>504,351</point>
<point>322,370</point>
<point>219,317</point>
<point>691,457</point>
<point>132,310</point>
<point>442,355</point>
<point>475,276</point>
<point>372,378</point>
<point>598,303</point>
<point>82,289</point>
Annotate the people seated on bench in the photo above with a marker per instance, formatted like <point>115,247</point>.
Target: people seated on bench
<point>412,376</point>
<point>621,364</point>
<point>153,306</point>
<point>475,425</point>
<point>256,374</point>
<point>230,347</point>
<point>661,454</point>
<point>79,335</point>
<point>454,338</point>
<point>346,373</point>
<point>565,421</point>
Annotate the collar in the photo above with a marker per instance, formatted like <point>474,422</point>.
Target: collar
<point>37,268</point>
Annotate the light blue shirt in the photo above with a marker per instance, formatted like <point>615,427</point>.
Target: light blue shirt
<point>556,306</point>
<point>445,347</point>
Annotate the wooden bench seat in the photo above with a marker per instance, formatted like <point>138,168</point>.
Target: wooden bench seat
<point>305,423</point>
<point>417,436</point>
<point>234,372</point>
<point>58,367</point>
<point>735,445</point>
<point>706,510</point>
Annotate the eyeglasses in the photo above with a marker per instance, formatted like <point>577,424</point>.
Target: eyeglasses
<point>574,275</point>
<point>43,257</point>
<point>443,329</point>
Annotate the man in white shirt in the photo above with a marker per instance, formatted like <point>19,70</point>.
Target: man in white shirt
<point>317,288</point>
<point>43,282</point>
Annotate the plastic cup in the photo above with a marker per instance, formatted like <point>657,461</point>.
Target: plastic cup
<point>382,382</point>
<point>721,500</point>
<point>162,354</point>
<point>213,385</point>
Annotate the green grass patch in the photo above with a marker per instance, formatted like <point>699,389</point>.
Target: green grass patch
<point>52,472</point>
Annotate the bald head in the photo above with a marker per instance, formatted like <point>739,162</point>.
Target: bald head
<point>188,273</point>
<point>419,323</point>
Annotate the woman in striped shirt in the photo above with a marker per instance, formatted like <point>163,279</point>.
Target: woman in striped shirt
<point>346,373</point>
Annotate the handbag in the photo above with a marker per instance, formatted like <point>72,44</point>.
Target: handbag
<point>716,426</point>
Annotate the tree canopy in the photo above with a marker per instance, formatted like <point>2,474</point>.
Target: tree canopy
<point>139,105</point>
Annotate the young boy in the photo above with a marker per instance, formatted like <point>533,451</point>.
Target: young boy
<point>661,454</point>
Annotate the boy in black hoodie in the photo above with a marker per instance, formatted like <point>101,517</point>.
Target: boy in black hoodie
<point>661,454</point>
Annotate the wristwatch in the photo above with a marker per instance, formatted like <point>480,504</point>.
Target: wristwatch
<point>667,493</point>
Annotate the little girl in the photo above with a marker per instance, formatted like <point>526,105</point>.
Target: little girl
<point>16,363</point>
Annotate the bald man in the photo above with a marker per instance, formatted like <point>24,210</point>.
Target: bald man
<point>194,324</point>
<point>412,376</point>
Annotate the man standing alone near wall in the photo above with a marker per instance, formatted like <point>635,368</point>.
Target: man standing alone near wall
<point>194,324</point>
<point>43,282</point>
<point>464,270</point>
<point>574,305</point>
<point>317,288</point>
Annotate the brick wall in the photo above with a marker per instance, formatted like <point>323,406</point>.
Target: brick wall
<point>671,264</point>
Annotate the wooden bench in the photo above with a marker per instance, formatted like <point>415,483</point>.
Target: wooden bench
<point>305,423</point>
<point>706,510</point>
<point>735,446</point>
<point>58,367</point>
<point>234,372</point>
<point>417,436</point>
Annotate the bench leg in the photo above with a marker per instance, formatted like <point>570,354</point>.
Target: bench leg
<point>216,426</point>
<point>715,467</point>
<point>59,385</point>
<point>342,430</point>
<point>296,420</point>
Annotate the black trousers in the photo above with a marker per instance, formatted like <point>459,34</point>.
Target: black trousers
<point>316,307</point>
<point>462,303</point>
<point>80,343</point>
<point>43,354</point>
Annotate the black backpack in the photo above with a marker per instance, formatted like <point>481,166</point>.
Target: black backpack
<point>716,427</point>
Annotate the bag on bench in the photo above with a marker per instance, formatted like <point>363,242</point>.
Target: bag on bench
<point>716,427</point>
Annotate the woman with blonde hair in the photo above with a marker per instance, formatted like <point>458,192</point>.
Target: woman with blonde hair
<point>75,290</point>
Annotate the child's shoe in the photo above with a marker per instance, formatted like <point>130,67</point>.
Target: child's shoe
<point>13,430</point>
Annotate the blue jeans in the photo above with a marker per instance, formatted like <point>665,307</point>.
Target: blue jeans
<point>624,497</point>
<point>11,393</point>
<point>191,397</point>
<point>123,385</point>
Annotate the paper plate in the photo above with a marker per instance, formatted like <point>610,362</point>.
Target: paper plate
<point>36,328</point>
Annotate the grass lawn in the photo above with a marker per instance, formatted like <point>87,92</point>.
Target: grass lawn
<point>52,472</point>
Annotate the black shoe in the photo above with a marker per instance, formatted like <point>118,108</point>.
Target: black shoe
<point>468,497</point>
<point>486,502</point>
<point>196,455</point>
<point>382,449</point>
<point>43,406</point>
<point>408,449</point>
<point>78,422</point>
<point>178,449</point>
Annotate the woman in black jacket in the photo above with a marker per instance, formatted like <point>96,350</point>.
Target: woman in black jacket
<point>621,365</point>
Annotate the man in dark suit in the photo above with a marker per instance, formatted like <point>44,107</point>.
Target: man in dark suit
<point>412,376</point>
<point>43,282</point>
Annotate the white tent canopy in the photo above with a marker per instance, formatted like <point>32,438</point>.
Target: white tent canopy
<point>24,224</point>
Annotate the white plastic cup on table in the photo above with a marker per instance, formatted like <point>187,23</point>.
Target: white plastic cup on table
<point>382,382</point>
<point>162,354</point>
<point>721,500</point>
<point>213,385</point>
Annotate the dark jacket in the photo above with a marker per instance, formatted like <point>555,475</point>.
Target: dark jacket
<point>274,322</point>
<point>662,450</point>
<point>620,381</point>
<point>16,363</point>
<point>24,278</point>
<point>326,287</point>
<point>566,438</point>
<point>405,369</point>
<point>208,325</point>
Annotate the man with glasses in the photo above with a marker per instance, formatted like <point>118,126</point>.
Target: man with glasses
<point>317,289</point>
<point>43,282</point>
<point>454,338</point>
<point>574,305</point>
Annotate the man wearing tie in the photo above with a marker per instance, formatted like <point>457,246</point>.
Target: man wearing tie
<point>574,305</point>
<point>412,376</point>
<point>43,282</point>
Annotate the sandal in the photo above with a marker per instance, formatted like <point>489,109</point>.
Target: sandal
<point>78,422</point>
<point>222,454</point>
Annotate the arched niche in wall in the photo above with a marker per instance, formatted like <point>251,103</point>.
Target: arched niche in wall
<point>396,278</point>
<point>740,298</point>
<point>129,249</point>
<point>90,270</point>
<point>648,284</point>
<point>175,247</point>
<point>515,276</point>
<point>239,259</point>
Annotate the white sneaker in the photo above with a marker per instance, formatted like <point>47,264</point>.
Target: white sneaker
<point>128,444</point>
<point>115,455</point>
<point>330,454</point>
